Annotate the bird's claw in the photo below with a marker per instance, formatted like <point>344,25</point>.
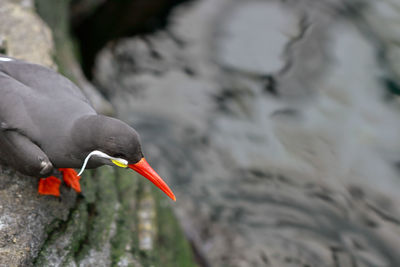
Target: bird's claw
<point>71,178</point>
<point>49,186</point>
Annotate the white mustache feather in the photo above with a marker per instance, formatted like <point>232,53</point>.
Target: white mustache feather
<point>101,155</point>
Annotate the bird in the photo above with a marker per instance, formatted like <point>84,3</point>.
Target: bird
<point>47,126</point>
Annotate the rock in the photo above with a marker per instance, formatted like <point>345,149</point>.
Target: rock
<point>270,25</point>
<point>27,218</point>
<point>289,161</point>
<point>33,41</point>
<point>383,18</point>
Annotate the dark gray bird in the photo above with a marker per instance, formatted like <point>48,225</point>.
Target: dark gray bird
<point>47,123</point>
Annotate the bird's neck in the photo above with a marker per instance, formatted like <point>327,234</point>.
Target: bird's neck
<point>86,132</point>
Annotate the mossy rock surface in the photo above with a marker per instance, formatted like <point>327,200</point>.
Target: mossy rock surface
<point>120,220</point>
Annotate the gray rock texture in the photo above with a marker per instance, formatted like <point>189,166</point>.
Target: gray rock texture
<point>277,124</point>
<point>26,218</point>
<point>33,41</point>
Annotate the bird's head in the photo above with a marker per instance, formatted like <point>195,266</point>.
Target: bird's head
<point>118,144</point>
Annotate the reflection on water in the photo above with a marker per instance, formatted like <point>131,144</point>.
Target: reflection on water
<point>276,124</point>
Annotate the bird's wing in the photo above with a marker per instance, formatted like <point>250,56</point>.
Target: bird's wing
<point>13,111</point>
<point>43,80</point>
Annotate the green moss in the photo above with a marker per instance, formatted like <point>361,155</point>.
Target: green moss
<point>88,186</point>
<point>78,227</point>
<point>123,243</point>
<point>114,197</point>
<point>65,240</point>
<point>102,213</point>
<point>147,224</point>
<point>172,246</point>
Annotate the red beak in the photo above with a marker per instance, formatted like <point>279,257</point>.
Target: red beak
<point>143,168</point>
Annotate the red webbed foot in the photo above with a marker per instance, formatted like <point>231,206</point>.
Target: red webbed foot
<point>49,186</point>
<point>71,178</point>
